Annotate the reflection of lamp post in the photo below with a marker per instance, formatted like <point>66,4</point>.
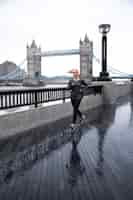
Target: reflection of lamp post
<point>104,29</point>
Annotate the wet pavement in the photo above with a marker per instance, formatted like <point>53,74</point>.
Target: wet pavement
<point>93,161</point>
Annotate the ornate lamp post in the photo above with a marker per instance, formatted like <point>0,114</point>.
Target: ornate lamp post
<point>104,29</point>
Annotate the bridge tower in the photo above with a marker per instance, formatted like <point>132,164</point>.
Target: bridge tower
<point>86,58</point>
<point>33,61</point>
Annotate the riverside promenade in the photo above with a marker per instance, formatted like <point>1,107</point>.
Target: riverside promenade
<point>92,162</point>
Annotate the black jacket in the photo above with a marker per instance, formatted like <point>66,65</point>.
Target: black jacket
<point>77,88</point>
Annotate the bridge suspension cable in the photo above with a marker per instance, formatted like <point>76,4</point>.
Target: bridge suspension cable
<point>111,69</point>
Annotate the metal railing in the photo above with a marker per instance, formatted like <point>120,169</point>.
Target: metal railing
<point>17,98</point>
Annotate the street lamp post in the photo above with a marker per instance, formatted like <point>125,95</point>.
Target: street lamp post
<point>104,29</point>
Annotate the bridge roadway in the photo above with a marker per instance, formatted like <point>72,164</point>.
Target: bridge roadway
<point>46,167</point>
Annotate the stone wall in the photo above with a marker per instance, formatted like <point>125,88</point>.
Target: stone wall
<point>22,121</point>
<point>114,90</point>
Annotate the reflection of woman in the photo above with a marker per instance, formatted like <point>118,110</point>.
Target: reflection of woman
<point>76,86</point>
<point>75,166</point>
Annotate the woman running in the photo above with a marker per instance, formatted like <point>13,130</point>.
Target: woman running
<point>76,86</point>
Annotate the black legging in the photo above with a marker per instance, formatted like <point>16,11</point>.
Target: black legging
<point>75,103</point>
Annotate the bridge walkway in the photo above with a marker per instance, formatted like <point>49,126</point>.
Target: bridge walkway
<point>100,167</point>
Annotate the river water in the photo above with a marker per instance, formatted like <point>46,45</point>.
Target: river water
<point>26,88</point>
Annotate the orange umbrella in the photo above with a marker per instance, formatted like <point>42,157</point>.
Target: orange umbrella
<point>72,71</point>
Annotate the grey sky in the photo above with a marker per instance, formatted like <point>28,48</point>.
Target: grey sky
<point>59,24</point>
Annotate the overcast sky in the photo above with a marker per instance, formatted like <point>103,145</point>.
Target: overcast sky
<point>59,24</point>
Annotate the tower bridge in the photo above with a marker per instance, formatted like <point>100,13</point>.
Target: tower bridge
<point>85,51</point>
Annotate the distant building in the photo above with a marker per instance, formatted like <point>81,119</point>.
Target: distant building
<point>7,67</point>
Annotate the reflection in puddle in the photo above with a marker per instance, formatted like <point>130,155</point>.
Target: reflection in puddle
<point>104,122</point>
<point>75,165</point>
<point>122,116</point>
<point>23,160</point>
<point>131,111</point>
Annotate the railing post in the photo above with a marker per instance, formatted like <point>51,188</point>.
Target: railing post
<point>35,98</point>
<point>63,95</point>
<point>48,95</point>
